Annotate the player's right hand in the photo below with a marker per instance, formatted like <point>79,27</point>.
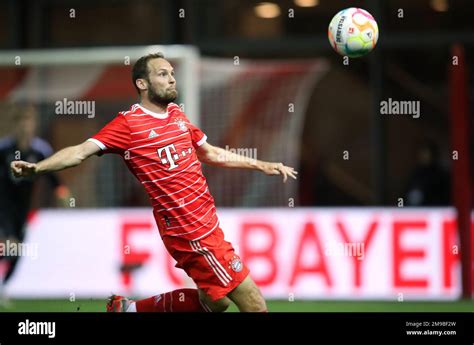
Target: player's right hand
<point>22,168</point>
<point>270,168</point>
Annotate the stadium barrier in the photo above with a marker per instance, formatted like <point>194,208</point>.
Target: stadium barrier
<point>294,254</point>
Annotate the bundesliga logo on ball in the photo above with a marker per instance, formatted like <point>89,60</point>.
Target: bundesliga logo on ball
<point>353,32</point>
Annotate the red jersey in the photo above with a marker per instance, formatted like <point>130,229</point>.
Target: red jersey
<point>160,150</point>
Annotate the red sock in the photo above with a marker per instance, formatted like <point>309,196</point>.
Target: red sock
<point>181,300</point>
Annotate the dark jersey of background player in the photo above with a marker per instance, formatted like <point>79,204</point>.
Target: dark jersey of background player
<point>16,193</point>
<point>430,182</point>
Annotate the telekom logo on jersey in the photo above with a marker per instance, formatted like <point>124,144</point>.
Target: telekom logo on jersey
<point>169,154</point>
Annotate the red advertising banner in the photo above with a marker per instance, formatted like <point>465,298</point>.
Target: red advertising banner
<point>302,253</point>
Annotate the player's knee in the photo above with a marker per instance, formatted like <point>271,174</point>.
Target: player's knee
<point>218,306</point>
<point>256,302</point>
<point>249,298</point>
<point>222,306</point>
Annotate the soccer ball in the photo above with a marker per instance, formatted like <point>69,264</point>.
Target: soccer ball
<point>353,32</point>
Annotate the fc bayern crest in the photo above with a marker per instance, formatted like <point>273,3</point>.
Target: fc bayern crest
<point>236,265</point>
<point>181,124</point>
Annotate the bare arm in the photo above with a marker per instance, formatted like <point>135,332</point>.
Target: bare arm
<point>66,158</point>
<point>217,156</point>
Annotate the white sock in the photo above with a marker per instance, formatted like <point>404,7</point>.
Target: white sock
<point>132,308</point>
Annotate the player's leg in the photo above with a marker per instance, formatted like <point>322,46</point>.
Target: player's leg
<point>181,300</point>
<point>247,297</point>
<point>3,267</point>
<point>216,270</point>
<point>218,306</point>
<point>18,236</point>
<point>12,262</point>
<point>7,233</point>
<point>219,273</point>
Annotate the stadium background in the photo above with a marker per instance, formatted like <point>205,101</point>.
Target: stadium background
<point>275,88</point>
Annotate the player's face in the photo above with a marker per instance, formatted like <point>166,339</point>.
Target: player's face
<point>161,82</point>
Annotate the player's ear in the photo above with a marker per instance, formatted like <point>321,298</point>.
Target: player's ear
<point>141,84</point>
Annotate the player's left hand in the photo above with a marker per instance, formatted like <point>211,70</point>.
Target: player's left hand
<point>271,168</point>
<point>22,168</point>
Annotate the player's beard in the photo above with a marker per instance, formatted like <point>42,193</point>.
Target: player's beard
<point>161,96</point>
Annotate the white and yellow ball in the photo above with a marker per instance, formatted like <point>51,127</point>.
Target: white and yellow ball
<point>353,32</point>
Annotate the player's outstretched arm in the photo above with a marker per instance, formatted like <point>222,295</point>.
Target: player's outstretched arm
<point>218,156</point>
<point>63,159</point>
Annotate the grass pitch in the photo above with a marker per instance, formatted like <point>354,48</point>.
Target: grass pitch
<point>94,305</point>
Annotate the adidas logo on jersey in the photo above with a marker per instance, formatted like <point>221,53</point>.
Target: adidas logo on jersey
<point>152,134</point>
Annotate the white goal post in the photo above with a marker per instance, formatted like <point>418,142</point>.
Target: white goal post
<point>187,57</point>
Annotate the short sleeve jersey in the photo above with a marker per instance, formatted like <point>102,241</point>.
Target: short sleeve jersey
<point>160,150</point>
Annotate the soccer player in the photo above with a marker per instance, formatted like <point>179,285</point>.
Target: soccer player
<point>164,151</point>
<point>15,193</point>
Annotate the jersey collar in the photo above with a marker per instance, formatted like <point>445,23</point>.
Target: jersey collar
<point>157,115</point>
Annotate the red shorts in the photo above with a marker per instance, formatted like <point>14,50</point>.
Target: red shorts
<point>211,262</point>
